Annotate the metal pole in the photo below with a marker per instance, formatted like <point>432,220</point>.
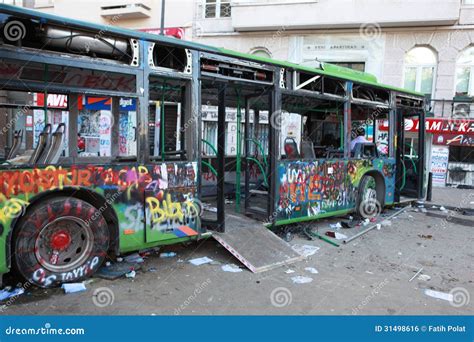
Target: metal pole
<point>162,30</point>
<point>221,114</point>
<point>238,166</point>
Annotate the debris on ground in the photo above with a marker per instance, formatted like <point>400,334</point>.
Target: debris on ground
<point>134,258</point>
<point>417,273</point>
<point>425,236</point>
<point>7,292</point>
<point>116,271</point>
<point>336,226</point>
<point>119,259</point>
<point>108,264</point>
<point>231,268</point>
<point>289,271</point>
<point>330,234</point>
<point>73,287</point>
<point>386,223</point>
<point>305,250</point>
<point>311,270</point>
<point>200,261</point>
<point>168,255</point>
<point>228,201</point>
<point>442,208</point>
<point>439,295</point>
<point>209,208</point>
<point>132,274</point>
<point>301,280</point>
<point>347,224</point>
<point>424,277</point>
<point>378,226</point>
<point>152,269</point>
<point>368,272</point>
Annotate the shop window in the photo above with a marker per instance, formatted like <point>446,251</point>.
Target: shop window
<point>420,69</point>
<point>359,66</point>
<point>95,125</point>
<point>217,9</point>
<point>465,73</point>
<point>461,154</point>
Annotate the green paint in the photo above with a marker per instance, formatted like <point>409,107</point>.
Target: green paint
<point>262,151</point>
<point>210,145</point>
<point>213,170</point>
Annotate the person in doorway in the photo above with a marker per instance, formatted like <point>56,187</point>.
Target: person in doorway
<point>360,137</point>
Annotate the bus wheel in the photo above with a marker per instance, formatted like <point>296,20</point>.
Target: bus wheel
<point>368,205</point>
<point>59,241</point>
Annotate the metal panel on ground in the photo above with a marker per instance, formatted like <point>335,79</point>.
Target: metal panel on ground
<point>254,245</point>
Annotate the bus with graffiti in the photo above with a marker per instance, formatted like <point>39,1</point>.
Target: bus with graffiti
<point>116,140</point>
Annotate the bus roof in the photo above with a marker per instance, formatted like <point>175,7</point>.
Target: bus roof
<point>327,68</point>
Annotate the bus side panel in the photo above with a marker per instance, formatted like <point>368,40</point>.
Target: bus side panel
<point>122,186</point>
<point>313,189</point>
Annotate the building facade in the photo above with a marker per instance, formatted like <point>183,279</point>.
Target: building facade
<point>423,45</point>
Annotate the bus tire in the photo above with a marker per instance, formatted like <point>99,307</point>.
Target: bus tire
<point>60,240</point>
<point>368,204</point>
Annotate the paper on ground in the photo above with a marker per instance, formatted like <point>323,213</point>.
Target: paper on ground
<point>73,287</point>
<point>4,294</point>
<point>340,236</point>
<point>301,280</point>
<point>305,250</point>
<point>200,261</point>
<point>439,295</point>
<point>311,270</point>
<point>231,268</point>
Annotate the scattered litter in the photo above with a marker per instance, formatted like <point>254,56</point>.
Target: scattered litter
<point>368,272</point>
<point>108,264</point>
<point>134,258</point>
<point>365,222</point>
<point>132,274</point>
<point>207,207</point>
<point>439,295</point>
<point>231,268</point>
<point>215,262</point>
<point>301,280</point>
<point>228,201</point>
<point>167,255</point>
<point>340,236</point>
<point>378,226</point>
<point>419,271</point>
<point>423,210</point>
<point>200,261</point>
<point>347,224</point>
<point>386,223</point>
<point>116,270</point>
<point>180,260</point>
<point>424,277</point>
<point>434,207</point>
<point>330,234</point>
<point>305,250</point>
<point>73,287</point>
<point>399,253</point>
<point>442,208</point>
<point>373,219</point>
<point>425,236</point>
<point>335,225</point>
<point>6,293</point>
<point>119,259</point>
<point>152,269</point>
<point>289,271</point>
<point>311,270</point>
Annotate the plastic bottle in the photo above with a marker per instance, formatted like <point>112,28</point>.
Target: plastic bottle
<point>167,255</point>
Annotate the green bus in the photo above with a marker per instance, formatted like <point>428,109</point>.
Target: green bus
<point>116,140</point>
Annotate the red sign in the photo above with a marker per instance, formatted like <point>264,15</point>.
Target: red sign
<point>176,32</point>
<point>57,101</point>
<point>438,126</point>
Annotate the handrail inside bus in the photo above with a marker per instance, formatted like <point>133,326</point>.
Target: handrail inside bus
<point>213,170</point>
<point>260,147</point>
<point>210,145</point>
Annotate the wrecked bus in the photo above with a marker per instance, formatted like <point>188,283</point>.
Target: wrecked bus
<point>115,141</point>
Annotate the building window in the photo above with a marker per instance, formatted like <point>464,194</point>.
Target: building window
<point>420,68</point>
<point>465,73</point>
<point>217,9</point>
<point>468,2</point>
